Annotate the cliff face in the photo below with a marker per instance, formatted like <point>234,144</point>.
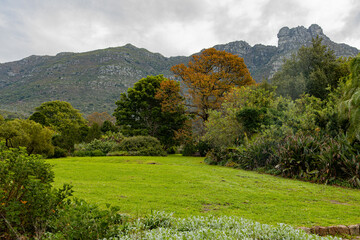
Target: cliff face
<point>92,81</point>
<point>264,61</point>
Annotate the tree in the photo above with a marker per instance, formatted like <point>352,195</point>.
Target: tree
<point>139,112</point>
<point>64,119</point>
<point>242,111</point>
<point>208,76</point>
<point>311,71</point>
<point>349,106</point>
<point>94,132</point>
<point>29,134</point>
<point>100,118</point>
<point>108,126</point>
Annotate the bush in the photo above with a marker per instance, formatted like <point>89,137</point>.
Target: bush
<point>96,147</point>
<point>319,158</point>
<point>142,146</point>
<point>95,153</point>
<point>81,220</point>
<point>27,199</point>
<point>60,152</point>
<point>258,154</point>
<point>118,153</point>
<point>189,149</point>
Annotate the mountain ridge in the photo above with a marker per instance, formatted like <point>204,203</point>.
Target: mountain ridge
<point>92,81</point>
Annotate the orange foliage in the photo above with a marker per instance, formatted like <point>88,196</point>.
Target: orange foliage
<point>100,118</point>
<point>169,95</point>
<point>209,75</point>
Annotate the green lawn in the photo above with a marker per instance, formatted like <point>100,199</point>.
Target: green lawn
<point>187,186</point>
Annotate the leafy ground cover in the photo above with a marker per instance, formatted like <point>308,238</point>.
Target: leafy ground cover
<point>186,186</point>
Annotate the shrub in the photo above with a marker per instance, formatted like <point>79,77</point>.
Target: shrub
<point>94,153</point>
<point>96,147</point>
<point>142,146</point>
<point>297,156</point>
<point>81,220</point>
<point>27,198</point>
<point>113,136</point>
<point>60,152</point>
<point>189,149</point>
<point>118,153</point>
<point>160,225</point>
<point>319,158</point>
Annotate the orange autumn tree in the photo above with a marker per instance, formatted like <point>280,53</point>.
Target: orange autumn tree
<point>208,76</point>
<point>169,96</point>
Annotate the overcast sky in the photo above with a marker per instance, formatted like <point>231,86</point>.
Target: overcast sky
<point>170,27</point>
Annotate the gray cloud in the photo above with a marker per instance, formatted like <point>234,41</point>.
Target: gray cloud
<point>172,27</point>
<point>350,31</point>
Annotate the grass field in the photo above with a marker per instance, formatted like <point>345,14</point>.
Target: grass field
<point>186,186</point>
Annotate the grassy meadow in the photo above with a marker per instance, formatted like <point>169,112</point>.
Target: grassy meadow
<point>187,186</point>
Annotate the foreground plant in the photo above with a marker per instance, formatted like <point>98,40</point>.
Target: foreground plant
<point>160,225</point>
<point>27,198</point>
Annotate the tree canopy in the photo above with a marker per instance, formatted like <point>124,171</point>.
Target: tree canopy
<point>64,119</point>
<point>139,112</point>
<point>208,76</point>
<point>29,134</point>
<point>312,70</point>
<point>350,103</point>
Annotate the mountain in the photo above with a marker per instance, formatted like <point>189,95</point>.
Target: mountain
<point>263,61</point>
<point>92,81</point>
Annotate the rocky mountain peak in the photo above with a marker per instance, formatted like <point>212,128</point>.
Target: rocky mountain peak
<point>292,39</point>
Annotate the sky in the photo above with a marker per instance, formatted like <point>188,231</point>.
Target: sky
<point>169,27</point>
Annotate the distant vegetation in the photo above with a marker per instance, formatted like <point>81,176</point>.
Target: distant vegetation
<point>303,124</point>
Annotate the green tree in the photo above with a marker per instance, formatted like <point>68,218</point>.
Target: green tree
<point>65,120</point>
<point>312,70</point>
<point>138,112</point>
<point>29,134</point>
<point>349,106</point>
<point>225,128</point>
<point>108,126</point>
<point>93,133</point>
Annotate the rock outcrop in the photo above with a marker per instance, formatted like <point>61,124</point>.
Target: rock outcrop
<point>264,61</point>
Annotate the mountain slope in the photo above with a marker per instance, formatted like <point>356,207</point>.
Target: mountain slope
<point>92,81</point>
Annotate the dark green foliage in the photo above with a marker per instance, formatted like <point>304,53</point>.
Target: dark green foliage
<point>219,156</point>
<point>81,220</point>
<point>258,154</point>
<point>189,149</point>
<point>203,147</point>
<point>59,152</point>
<point>319,158</point>
<point>108,126</point>
<point>27,199</point>
<point>142,146</point>
<point>311,71</point>
<point>139,113</point>
<point>252,119</point>
<point>94,132</point>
